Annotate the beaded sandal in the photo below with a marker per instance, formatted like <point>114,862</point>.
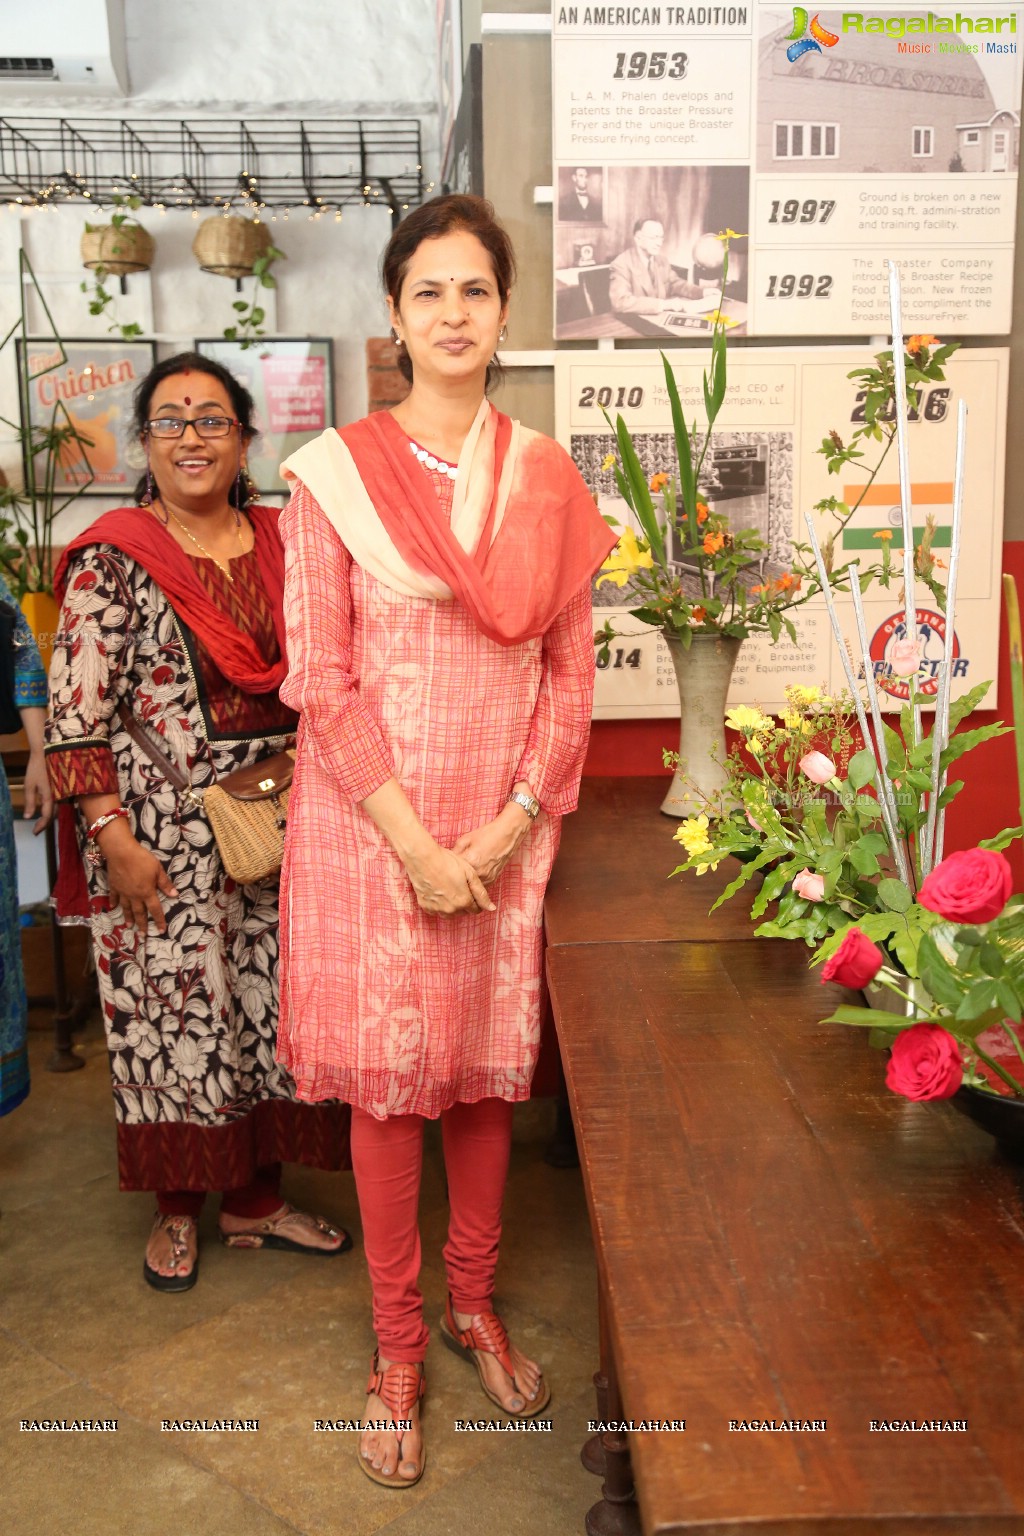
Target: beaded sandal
<point>268,1234</point>
<point>400,1387</point>
<point>178,1229</point>
<point>486,1335</point>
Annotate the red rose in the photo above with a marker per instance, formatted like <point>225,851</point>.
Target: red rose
<point>856,962</point>
<point>925,1063</point>
<point>969,887</point>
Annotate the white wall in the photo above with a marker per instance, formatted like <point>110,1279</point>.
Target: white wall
<point>311,58</point>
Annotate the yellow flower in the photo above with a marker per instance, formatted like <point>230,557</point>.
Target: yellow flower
<point>717,318</point>
<point>757,746</point>
<point>793,720</point>
<point>608,462</point>
<point>729,234</point>
<point>744,717</point>
<point>802,696</point>
<point>693,834</point>
<point>883,533</point>
<point>625,559</point>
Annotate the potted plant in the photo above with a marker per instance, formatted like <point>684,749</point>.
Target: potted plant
<point>704,583</point>
<point>111,250</point>
<point>231,246</point>
<point>28,513</point>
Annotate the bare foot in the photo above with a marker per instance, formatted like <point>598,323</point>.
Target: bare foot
<point>513,1394</point>
<point>285,1227</point>
<point>382,1449</point>
<point>173,1246</point>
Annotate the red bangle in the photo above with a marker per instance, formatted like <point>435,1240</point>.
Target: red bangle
<point>104,821</point>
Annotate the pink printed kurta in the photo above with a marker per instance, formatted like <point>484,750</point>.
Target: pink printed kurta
<point>384,1005</point>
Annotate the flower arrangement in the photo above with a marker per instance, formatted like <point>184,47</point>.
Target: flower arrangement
<point>857,868</point>
<point>799,805</point>
<point>690,569</point>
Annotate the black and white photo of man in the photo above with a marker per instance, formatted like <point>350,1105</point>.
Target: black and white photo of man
<point>642,281</point>
<point>579,199</point>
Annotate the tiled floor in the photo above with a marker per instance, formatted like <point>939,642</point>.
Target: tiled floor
<point>276,1337</point>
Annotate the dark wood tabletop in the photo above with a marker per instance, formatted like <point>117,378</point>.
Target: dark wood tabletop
<point>778,1236</point>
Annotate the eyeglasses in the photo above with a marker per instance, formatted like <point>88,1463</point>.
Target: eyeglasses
<point>206,426</point>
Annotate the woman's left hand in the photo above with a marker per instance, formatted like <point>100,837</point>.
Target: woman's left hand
<point>489,848</point>
<point>38,794</point>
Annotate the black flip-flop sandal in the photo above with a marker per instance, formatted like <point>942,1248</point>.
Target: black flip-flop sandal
<point>176,1228</point>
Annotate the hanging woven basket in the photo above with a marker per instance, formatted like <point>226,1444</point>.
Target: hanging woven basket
<point>229,245</point>
<point>118,249</point>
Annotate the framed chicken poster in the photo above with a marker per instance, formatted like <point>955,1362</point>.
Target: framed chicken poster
<point>83,389</point>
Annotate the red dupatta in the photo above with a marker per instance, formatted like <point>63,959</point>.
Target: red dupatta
<point>523,568</point>
<point>140,535</point>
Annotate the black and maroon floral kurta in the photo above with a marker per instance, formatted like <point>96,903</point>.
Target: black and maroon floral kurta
<point>190,1014</point>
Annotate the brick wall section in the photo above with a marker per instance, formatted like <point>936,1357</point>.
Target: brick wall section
<point>384,384</point>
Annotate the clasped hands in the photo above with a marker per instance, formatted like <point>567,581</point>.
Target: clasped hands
<point>450,881</point>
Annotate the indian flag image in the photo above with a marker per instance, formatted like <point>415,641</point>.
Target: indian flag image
<point>879,512</point>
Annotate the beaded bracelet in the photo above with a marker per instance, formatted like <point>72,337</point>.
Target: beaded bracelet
<point>92,847</point>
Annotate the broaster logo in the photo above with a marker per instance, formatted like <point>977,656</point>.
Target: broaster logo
<point>930,636</point>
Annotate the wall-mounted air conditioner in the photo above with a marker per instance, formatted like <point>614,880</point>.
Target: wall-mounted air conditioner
<point>56,48</point>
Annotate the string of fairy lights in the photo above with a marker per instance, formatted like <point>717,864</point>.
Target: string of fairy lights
<point>376,175</point>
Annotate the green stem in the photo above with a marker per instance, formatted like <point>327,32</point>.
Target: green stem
<point>1011,1082</point>
<point>1016,678</point>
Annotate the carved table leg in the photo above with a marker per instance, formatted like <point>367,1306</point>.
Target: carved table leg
<point>616,1513</point>
<point>592,1454</point>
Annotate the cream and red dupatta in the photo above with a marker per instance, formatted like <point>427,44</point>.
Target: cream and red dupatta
<point>524,533</point>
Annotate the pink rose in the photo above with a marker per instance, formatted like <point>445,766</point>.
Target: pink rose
<point>925,1063</point>
<point>905,658</point>
<point>818,768</point>
<point>810,887</point>
<point>969,887</point>
<point>856,962</point>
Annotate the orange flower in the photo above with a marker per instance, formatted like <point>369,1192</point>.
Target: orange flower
<point>883,533</point>
<point>698,614</point>
<point>917,344</point>
<point>713,543</point>
<point>788,583</point>
<point>659,481</point>
<point>702,512</point>
<point>757,591</point>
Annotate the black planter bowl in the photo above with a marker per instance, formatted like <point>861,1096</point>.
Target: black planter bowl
<point>1001,1117</point>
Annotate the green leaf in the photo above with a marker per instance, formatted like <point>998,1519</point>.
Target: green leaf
<point>873,1018</point>
<point>894,895</point>
<point>240,305</point>
<point>966,741</point>
<point>641,499</point>
<point>960,708</point>
<point>863,860</point>
<point>862,768</point>
<point>1002,839</point>
<point>684,451</point>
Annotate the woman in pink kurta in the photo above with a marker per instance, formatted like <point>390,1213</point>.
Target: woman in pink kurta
<point>437,602</point>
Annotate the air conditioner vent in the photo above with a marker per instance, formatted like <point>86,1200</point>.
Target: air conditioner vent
<point>27,69</point>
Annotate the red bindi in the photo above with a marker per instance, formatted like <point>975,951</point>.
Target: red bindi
<point>188,400</point>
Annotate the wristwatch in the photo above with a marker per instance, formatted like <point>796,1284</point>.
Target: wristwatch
<point>528,802</point>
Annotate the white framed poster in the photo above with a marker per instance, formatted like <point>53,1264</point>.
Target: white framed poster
<point>833,139</point>
<point>765,473</point>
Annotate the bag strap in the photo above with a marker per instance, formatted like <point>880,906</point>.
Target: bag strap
<point>143,739</point>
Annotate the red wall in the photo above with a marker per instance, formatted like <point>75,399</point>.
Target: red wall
<point>987,802</point>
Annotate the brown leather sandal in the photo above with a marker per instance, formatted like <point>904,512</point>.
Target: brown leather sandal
<point>486,1335</point>
<point>400,1387</point>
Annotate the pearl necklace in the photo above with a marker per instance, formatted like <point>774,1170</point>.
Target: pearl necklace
<point>433,462</point>
<point>221,566</point>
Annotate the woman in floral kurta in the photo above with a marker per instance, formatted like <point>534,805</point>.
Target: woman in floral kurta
<point>30,699</point>
<point>189,988</point>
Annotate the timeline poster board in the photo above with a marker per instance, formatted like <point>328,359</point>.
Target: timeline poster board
<point>763,472</point>
<point>833,139</point>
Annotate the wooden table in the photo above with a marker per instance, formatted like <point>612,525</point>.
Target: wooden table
<point>777,1236</point>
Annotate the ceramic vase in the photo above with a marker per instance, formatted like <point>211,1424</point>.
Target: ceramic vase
<point>703,674</point>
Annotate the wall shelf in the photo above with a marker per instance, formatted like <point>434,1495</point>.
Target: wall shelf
<point>323,164</point>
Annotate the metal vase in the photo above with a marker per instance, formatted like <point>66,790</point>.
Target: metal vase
<point>703,673</point>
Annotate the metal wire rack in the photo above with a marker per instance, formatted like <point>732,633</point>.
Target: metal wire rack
<point>323,164</point>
